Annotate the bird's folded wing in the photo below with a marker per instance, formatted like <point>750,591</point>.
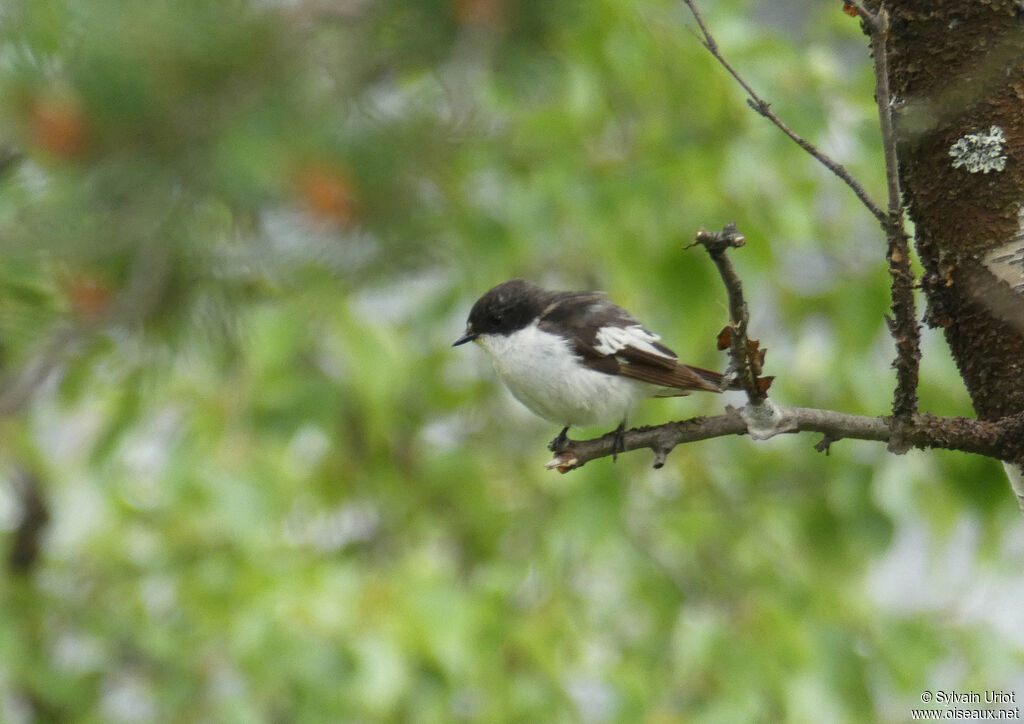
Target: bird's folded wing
<point>609,339</point>
<point>679,376</point>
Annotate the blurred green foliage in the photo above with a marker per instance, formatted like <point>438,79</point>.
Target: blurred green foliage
<point>235,250</point>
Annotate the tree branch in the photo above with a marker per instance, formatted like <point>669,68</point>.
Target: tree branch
<point>761,418</point>
<point>764,109</point>
<point>903,326</point>
<point>1002,439</point>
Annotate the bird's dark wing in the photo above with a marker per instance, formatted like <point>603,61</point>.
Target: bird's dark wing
<point>609,339</point>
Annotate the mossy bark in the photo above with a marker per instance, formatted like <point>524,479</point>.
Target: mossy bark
<point>957,68</point>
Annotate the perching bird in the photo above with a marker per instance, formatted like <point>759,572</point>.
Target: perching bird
<point>575,358</point>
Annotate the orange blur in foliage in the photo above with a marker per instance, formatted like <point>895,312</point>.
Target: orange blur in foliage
<point>328,193</point>
<point>57,125</point>
<point>479,13</point>
<point>90,296</point>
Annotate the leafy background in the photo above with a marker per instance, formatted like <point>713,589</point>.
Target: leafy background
<point>236,245</point>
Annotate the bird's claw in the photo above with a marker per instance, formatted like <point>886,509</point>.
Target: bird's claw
<point>620,441</point>
<point>559,442</point>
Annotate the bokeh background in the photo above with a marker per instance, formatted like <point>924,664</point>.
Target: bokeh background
<point>237,238</point>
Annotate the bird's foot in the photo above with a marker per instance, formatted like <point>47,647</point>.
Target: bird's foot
<point>559,442</point>
<point>620,441</point>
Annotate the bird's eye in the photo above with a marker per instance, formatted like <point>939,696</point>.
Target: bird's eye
<point>496,318</point>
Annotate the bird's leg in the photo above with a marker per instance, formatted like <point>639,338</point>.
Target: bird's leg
<point>620,441</point>
<point>557,444</point>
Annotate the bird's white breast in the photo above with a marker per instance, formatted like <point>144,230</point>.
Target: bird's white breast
<point>540,369</point>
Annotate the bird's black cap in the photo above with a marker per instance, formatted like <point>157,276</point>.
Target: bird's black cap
<point>505,309</point>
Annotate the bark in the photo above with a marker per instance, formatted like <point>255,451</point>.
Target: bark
<point>956,74</point>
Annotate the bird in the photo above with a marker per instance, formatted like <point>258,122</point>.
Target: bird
<point>576,358</point>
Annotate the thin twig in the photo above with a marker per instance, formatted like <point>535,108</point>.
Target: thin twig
<point>716,244</point>
<point>879,27</point>
<point>763,108</point>
<point>870,21</point>
<point>903,325</point>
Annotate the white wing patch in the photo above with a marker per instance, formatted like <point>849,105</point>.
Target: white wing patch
<point>610,340</point>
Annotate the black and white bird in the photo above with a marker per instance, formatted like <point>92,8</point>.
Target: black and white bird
<point>575,358</point>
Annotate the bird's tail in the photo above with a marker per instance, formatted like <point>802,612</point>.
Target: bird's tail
<point>687,378</point>
<point>709,376</point>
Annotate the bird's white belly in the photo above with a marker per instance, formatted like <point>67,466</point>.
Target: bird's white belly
<point>542,372</point>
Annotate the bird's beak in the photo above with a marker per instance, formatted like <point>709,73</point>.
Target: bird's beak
<point>469,336</point>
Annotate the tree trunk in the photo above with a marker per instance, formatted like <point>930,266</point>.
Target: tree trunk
<point>957,79</point>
